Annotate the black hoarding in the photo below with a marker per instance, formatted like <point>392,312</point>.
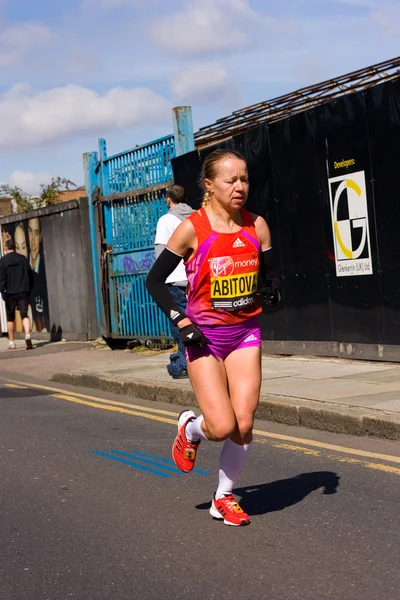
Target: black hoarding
<point>326,181</point>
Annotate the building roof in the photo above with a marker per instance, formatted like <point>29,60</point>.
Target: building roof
<point>5,190</point>
<point>295,102</point>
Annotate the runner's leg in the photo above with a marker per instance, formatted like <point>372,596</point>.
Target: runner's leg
<point>208,378</point>
<point>217,423</point>
<point>243,368</point>
<point>231,463</point>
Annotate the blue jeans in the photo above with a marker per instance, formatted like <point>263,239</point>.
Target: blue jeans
<point>178,359</point>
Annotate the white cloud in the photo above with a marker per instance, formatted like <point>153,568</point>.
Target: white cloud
<point>18,40</point>
<point>204,83</point>
<point>206,27</point>
<point>30,118</point>
<point>29,182</point>
<point>203,27</point>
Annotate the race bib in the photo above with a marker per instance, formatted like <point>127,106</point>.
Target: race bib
<point>234,281</point>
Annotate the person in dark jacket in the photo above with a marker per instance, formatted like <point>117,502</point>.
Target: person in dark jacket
<point>16,280</point>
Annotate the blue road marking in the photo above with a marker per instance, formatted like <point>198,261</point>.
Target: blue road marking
<point>164,460</point>
<point>131,463</point>
<point>150,462</point>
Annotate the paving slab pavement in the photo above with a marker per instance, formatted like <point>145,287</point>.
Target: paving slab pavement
<point>338,395</point>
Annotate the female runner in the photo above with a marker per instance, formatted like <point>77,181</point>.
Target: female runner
<point>225,249</point>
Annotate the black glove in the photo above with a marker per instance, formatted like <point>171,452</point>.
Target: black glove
<point>192,336</point>
<point>270,294</point>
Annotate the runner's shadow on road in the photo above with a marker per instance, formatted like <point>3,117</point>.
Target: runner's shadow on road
<point>278,495</point>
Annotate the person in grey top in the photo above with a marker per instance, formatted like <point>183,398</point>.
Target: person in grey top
<point>178,210</point>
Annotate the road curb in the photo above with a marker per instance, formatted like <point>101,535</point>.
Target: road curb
<point>279,409</point>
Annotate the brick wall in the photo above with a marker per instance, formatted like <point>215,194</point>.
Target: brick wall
<point>71,195</point>
<point>5,206</point>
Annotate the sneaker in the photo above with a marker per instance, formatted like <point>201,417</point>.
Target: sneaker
<point>181,375</point>
<point>12,346</point>
<point>228,509</point>
<point>183,451</point>
<point>28,343</point>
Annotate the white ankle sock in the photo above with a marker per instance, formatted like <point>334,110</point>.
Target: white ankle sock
<point>193,430</point>
<point>231,463</point>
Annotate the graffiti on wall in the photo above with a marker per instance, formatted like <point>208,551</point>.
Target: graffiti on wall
<point>135,262</point>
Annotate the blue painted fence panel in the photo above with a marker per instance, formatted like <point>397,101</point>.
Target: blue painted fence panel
<point>133,262</point>
<point>134,221</point>
<point>142,167</point>
<point>130,230</point>
<point>128,225</point>
<point>137,315</point>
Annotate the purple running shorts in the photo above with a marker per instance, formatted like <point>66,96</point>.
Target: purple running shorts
<point>224,339</point>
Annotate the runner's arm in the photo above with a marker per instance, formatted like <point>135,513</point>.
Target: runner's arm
<point>263,232</point>
<point>180,246</point>
<point>270,279</point>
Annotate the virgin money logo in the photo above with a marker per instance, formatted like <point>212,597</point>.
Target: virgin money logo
<point>222,266</point>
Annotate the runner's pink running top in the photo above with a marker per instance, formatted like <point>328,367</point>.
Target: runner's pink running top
<point>223,273</point>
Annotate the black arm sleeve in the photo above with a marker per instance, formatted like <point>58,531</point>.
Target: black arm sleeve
<point>268,273</point>
<point>158,289</point>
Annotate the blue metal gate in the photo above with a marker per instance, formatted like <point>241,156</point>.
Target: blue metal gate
<point>133,200</point>
<point>128,191</point>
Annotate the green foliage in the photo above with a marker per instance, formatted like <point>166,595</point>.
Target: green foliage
<point>49,194</point>
<point>51,191</point>
<point>23,202</point>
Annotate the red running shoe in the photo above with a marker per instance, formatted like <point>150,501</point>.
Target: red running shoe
<point>183,451</point>
<point>228,509</point>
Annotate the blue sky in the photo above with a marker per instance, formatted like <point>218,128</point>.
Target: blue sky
<point>75,71</point>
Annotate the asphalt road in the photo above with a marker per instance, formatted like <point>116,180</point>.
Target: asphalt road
<point>84,515</point>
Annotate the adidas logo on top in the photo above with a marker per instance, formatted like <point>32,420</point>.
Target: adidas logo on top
<point>173,314</point>
<point>250,338</point>
<point>238,243</point>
